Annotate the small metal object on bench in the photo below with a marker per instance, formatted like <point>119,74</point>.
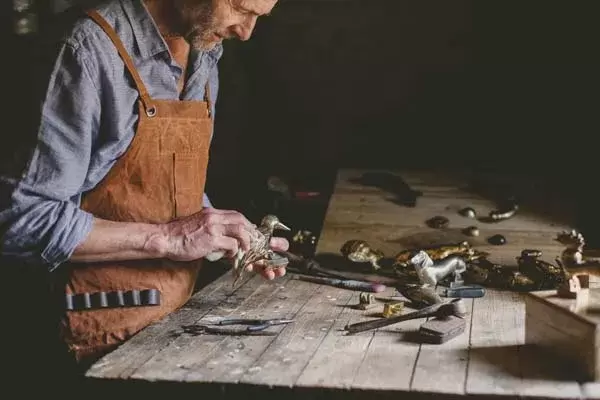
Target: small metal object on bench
<point>366,301</point>
<point>116,299</point>
<point>252,326</point>
<point>438,222</point>
<point>464,292</point>
<point>392,309</point>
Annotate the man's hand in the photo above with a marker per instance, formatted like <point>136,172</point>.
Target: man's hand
<point>277,244</point>
<point>210,230</point>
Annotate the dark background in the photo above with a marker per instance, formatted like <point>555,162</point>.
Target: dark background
<point>483,85</point>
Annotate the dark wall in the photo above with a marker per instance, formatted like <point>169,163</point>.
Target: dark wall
<point>396,82</point>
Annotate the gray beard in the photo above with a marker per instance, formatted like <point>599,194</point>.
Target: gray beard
<point>197,20</point>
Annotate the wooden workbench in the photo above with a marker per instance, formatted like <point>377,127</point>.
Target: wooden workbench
<point>313,358</point>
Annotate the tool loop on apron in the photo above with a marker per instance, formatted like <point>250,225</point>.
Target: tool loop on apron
<point>116,299</point>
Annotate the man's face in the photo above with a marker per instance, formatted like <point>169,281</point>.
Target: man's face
<point>207,22</point>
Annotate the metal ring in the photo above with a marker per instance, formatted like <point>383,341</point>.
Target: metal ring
<point>151,111</point>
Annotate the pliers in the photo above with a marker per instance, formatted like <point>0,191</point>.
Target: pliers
<point>253,326</point>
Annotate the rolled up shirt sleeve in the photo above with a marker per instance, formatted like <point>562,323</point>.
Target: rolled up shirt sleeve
<point>40,217</point>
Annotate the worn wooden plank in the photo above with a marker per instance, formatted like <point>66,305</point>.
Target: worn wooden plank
<point>498,361</point>
<point>390,358</point>
<point>234,356</point>
<point>186,351</point>
<point>447,177</point>
<point>445,192</point>
<point>289,354</point>
<point>496,335</point>
<point>398,238</point>
<point>339,356</point>
<point>139,349</point>
<point>545,376</point>
<point>372,209</point>
<point>392,240</point>
<point>591,390</point>
<point>443,367</point>
<point>461,181</point>
<point>572,356</point>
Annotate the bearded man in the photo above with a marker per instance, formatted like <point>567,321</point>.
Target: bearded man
<point>112,199</point>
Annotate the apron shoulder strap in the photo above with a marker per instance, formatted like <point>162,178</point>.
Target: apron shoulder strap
<point>146,100</point>
<point>207,97</point>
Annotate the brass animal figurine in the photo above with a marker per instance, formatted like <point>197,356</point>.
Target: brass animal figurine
<point>487,273</point>
<point>572,257</point>
<point>359,251</point>
<point>532,273</point>
<point>543,274</point>
<point>477,274</point>
<point>462,249</point>
<point>430,273</point>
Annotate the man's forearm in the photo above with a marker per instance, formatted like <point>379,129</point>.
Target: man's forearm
<point>118,241</point>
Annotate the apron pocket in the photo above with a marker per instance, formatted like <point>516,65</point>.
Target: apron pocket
<point>190,176</point>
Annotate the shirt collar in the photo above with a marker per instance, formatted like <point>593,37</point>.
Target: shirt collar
<point>147,36</point>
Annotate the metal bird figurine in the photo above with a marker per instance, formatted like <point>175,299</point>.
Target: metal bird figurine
<point>259,247</point>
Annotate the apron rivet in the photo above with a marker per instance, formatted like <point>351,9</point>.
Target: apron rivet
<point>151,111</point>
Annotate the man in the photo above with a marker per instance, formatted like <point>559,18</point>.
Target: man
<point>111,200</point>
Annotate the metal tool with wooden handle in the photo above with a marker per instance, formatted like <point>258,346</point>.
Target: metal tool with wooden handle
<point>453,307</point>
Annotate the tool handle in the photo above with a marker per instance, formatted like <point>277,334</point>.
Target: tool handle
<point>379,323</point>
<point>239,321</point>
<point>309,265</point>
<point>355,285</point>
<point>253,324</point>
<point>466,292</point>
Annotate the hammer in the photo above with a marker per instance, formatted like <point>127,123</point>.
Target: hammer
<point>456,307</point>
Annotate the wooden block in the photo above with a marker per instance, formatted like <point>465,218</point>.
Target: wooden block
<point>568,328</point>
<point>441,329</point>
<point>584,280</point>
<point>574,288</point>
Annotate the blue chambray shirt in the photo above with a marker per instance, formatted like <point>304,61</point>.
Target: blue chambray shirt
<point>88,119</point>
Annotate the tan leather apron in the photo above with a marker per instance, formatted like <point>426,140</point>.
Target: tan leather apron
<point>160,177</point>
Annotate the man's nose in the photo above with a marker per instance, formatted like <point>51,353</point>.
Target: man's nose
<point>244,30</point>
